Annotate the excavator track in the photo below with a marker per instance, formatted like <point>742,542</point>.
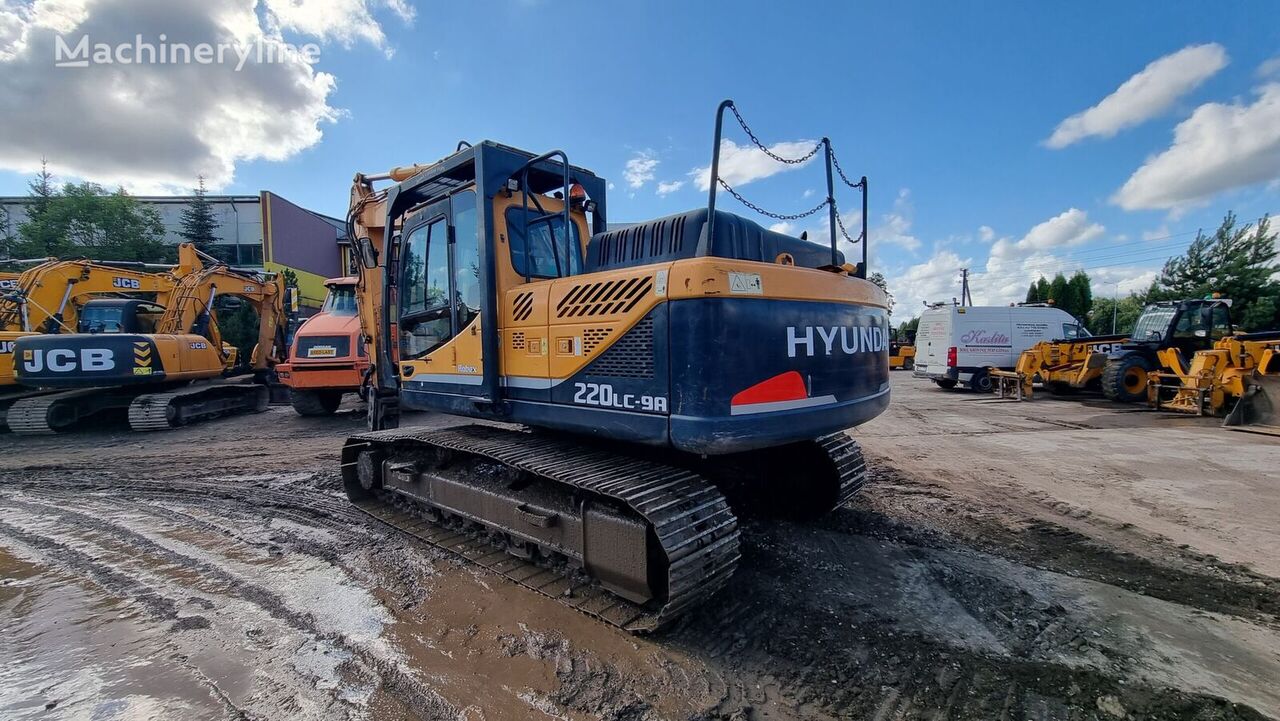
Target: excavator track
<point>46,413</point>
<point>688,524</point>
<point>162,411</point>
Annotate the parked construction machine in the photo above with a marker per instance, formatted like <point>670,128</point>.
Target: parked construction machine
<point>329,358</point>
<point>50,297</point>
<point>902,352</point>
<point>662,372</point>
<point>1241,371</point>
<point>144,357</point>
<point>1119,365</point>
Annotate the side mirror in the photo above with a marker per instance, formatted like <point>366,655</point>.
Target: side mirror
<point>368,254</point>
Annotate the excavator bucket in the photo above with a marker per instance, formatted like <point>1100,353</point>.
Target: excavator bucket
<point>1256,411</point>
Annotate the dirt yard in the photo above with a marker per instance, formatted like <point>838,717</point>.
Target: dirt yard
<point>1060,559</point>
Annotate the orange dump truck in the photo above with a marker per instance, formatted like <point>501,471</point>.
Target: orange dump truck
<point>328,359</point>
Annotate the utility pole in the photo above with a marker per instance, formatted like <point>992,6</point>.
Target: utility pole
<point>965,297</point>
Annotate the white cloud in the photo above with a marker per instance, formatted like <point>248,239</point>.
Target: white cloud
<point>341,21</point>
<point>669,187</point>
<point>153,128</point>
<point>1143,96</point>
<point>895,226</point>
<point>807,193</point>
<point>986,233</point>
<point>1072,227</point>
<point>783,227</point>
<point>742,164</point>
<point>1158,234</point>
<point>1220,147</point>
<point>640,168</point>
<point>931,281</point>
<point>1269,68</point>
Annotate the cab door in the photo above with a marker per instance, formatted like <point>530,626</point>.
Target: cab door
<point>439,296</point>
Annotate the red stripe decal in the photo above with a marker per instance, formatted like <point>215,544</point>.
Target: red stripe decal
<point>787,386</point>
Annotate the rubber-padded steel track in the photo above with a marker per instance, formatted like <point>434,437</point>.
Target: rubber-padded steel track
<point>851,468</point>
<point>689,517</point>
<point>161,411</point>
<point>31,416</point>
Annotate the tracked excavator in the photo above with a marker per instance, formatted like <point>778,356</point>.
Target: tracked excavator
<point>652,380</point>
<point>163,364</point>
<point>49,298</point>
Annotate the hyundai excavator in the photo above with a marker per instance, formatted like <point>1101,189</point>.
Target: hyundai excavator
<point>663,375</point>
<point>49,298</point>
<point>164,364</point>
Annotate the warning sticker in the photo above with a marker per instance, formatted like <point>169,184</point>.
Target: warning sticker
<point>746,283</point>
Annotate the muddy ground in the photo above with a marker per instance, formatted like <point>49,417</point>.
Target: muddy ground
<point>1047,560</point>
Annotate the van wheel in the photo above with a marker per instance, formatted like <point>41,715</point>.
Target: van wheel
<point>1124,379</point>
<point>980,382</point>
<point>946,383</point>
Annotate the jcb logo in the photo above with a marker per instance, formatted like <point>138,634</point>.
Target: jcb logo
<point>8,285</point>
<point>6,347</point>
<point>65,360</point>
<point>127,283</point>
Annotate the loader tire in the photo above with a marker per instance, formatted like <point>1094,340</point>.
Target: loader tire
<point>1124,379</point>
<point>316,403</point>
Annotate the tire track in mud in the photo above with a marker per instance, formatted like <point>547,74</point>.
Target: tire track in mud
<point>392,678</point>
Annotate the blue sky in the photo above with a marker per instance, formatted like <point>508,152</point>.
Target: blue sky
<point>946,107</point>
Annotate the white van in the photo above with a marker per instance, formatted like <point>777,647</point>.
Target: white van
<point>957,344</point>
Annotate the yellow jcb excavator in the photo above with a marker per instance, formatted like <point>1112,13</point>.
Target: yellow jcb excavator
<point>49,298</point>
<point>143,357</point>
<point>1242,368</point>
<point>663,370</point>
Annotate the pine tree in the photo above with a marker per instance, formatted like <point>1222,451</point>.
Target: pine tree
<point>879,279</point>
<point>37,237</point>
<point>198,223</point>
<point>1238,263</point>
<point>1082,290</point>
<point>1031,293</point>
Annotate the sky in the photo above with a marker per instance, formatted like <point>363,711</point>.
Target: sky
<point>1009,138</point>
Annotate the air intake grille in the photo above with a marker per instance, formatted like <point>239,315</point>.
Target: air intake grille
<point>523,306</point>
<point>641,242</point>
<point>593,337</point>
<point>631,356</point>
<point>517,341</point>
<point>604,298</point>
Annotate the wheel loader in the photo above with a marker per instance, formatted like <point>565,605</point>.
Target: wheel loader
<point>162,364</point>
<point>50,296</point>
<point>652,381</point>
<point>902,352</point>
<point>1241,371</point>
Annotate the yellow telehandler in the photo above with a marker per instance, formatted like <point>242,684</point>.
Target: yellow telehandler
<point>1243,368</point>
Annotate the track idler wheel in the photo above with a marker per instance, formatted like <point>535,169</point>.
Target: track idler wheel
<point>361,470</point>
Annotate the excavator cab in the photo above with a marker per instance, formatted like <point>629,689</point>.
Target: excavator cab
<point>119,315</point>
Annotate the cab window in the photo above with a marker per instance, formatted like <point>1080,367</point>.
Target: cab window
<point>424,291</point>
<point>539,257</point>
<point>1221,322</point>
<point>466,257</point>
<point>1072,331</point>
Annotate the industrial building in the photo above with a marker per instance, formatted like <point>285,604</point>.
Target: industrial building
<point>262,230</point>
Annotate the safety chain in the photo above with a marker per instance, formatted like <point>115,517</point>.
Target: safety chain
<point>794,161</point>
<point>861,237</point>
<point>762,211</point>
<point>858,185</point>
<point>765,150</point>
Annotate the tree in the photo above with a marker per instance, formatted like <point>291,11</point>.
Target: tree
<point>1081,289</point>
<point>38,239</point>
<point>1237,262</point>
<point>198,223</point>
<point>8,240</point>
<point>879,280</point>
<point>84,219</point>
<point>1126,311</point>
<point>1033,296</point>
<point>908,328</point>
